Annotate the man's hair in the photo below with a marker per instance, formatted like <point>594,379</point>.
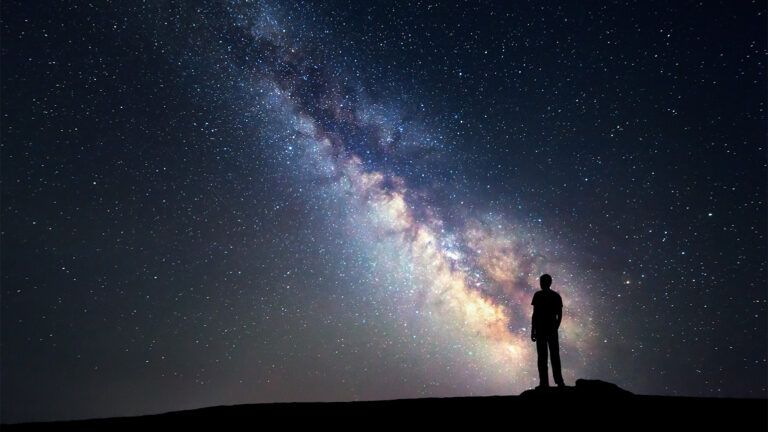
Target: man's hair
<point>545,280</point>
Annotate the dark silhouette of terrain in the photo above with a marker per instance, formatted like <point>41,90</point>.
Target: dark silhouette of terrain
<point>589,405</point>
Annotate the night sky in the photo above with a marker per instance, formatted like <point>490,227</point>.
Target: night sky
<point>243,202</point>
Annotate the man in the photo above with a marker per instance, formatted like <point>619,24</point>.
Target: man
<point>547,314</point>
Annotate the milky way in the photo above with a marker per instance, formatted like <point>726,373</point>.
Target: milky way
<point>213,203</point>
<point>461,290</point>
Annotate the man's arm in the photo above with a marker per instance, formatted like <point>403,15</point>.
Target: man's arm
<point>558,317</point>
<point>533,317</point>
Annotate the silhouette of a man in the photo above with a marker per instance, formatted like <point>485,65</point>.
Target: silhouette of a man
<point>547,314</point>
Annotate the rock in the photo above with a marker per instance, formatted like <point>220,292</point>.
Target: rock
<point>600,388</point>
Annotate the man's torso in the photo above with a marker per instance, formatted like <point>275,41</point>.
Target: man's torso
<point>547,304</point>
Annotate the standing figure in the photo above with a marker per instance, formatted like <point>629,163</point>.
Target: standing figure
<point>547,314</point>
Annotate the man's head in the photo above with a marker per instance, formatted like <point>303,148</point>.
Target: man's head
<point>545,281</point>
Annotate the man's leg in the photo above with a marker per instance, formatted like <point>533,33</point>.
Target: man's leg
<point>541,349</point>
<point>554,348</point>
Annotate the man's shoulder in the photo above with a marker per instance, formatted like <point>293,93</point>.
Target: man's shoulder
<point>536,297</point>
<point>557,298</point>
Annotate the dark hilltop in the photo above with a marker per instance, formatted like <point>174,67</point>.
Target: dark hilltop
<point>590,404</point>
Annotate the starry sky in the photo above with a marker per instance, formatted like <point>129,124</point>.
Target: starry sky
<point>209,203</point>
